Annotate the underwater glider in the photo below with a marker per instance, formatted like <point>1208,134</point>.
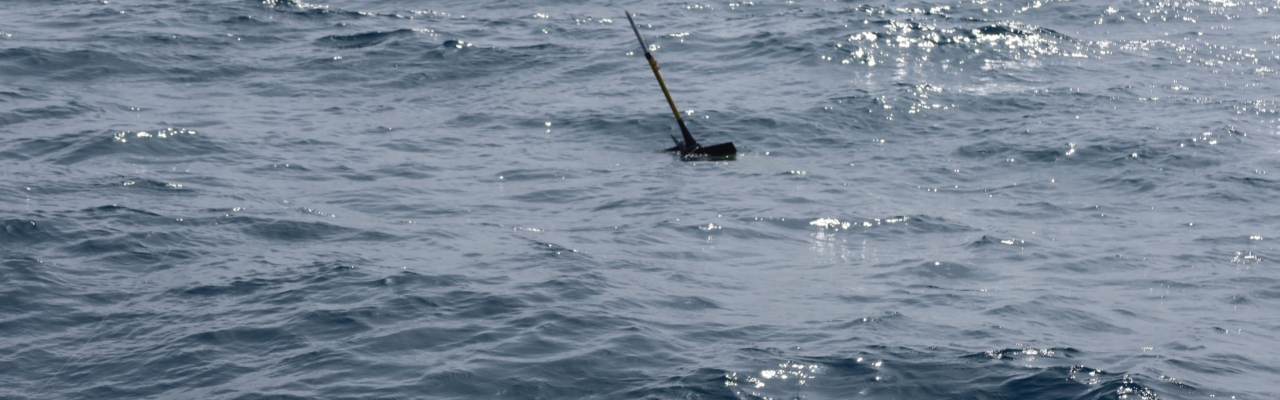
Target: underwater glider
<point>687,147</point>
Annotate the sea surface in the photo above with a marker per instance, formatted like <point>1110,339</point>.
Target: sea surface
<point>394,199</point>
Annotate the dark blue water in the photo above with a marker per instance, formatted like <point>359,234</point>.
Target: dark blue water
<point>235,199</point>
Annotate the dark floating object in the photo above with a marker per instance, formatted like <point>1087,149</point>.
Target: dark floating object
<point>687,147</point>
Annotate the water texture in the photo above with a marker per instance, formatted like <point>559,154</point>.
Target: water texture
<point>981,199</point>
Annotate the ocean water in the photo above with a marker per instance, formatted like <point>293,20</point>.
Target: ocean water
<point>980,199</point>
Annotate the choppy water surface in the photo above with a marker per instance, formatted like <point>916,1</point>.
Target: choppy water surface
<point>457,199</point>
